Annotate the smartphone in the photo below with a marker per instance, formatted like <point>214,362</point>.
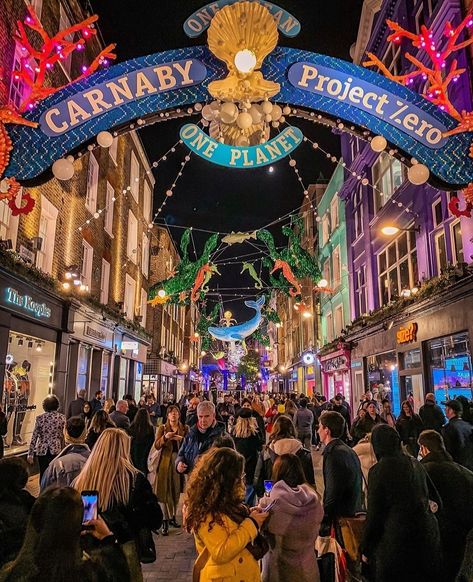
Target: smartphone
<point>90,501</point>
<point>269,506</point>
<point>268,485</point>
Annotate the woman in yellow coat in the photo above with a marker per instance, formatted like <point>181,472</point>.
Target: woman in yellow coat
<point>222,526</point>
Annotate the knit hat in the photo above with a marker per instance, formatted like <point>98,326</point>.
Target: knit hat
<point>245,413</point>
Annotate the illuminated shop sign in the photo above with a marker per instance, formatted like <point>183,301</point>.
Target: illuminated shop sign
<point>130,345</point>
<point>407,334</point>
<point>27,303</point>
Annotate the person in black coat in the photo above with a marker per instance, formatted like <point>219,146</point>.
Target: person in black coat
<point>401,539</point>
<point>76,407</point>
<point>431,414</point>
<point>248,443</point>
<point>455,486</point>
<point>458,435</point>
<point>341,471</point>
<point>366,422</point>
<point>142,439</point>
<point>15,507</point>
<point>409,426</point>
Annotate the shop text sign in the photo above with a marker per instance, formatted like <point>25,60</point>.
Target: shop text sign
<point>237,156</point>
<point>370,98</point>
<point>115,92</point>
<point>407,334</point>
<point>198,22</point>
<point>27,303</point>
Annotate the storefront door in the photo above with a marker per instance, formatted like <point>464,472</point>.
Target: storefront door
<point>413,384</point>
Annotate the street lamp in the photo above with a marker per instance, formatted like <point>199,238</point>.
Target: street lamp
<point>391,230</point>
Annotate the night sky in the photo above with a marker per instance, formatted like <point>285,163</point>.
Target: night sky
<point>209,196</point>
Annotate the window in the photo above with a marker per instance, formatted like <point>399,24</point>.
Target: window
<point>129,299</point>
<point>109,207</point>
<point>457,243</point>
<point>336,268</point>
<point>397,267</point>
<point>5,216</point>
<point>86,263</point>
<point>19,90</point>
<point>145,255</point>
<point>144,306</point>
<point>147,202</point>
<point>334,213</point>
<point>47,232</point>
<point>132,240</point>
<point>329,322</point>
<point>326,271</point>
<point>437,212</point>
<point>338,320</point>
<point>134,176</point>
<point>105,282</point>
<point>388,175</point>
<point>65,22</point>
<point>358,211</point>
<point>392,58</point>
<point>92,184</point>
<point>325,228</point>
<point>440,251</point>
<point>113,149</point>
<point>360,291</point>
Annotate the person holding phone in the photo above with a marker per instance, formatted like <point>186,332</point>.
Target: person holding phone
<point>169,484</point>
<point>295,513</point>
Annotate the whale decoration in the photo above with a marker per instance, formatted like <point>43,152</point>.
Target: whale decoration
<point>237,333</point>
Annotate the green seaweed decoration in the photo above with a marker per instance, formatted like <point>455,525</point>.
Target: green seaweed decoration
<point>205,321</point>
<point>261,337</point>
<point>272,315</point>
<point>178,286</point>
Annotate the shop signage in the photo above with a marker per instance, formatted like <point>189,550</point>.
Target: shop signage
<point>200,20</point>
<point>118,91</point>
<point>94,333</point>
<point>237,156</point>
<point>334,364</point>
<point>356,364</point>
<point>26,254</point>
<point>308,358</point>
<point>407,334</point>
<point>27,303</point>
<point>370,98</point>
<point>130,345</point>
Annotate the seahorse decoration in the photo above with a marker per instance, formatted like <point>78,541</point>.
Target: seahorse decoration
<point>295,290</point>
<point>204,275</point>
<point>9,187</point>
<point>252,273</point>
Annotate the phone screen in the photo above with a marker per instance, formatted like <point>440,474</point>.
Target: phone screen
<point>268,485</point>
<point>90,500</point>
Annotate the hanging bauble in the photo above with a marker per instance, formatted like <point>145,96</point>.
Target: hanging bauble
<point>244,120</point>
<point>228,112</point>
<point>276,113</point>
<point>70,159</point>
<point>215,105</point>
<point>208,113</point>
<point>63,169</point>
<point>286,110</point>
<point>256,114</point>
<point>378,143</point>
<point>243,141</point>
<point>418,174</point>
<point>105,139</point>
<point>267,107</point>
<point>268,118</point>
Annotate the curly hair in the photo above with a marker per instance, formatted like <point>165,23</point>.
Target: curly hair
<point>215,488</point>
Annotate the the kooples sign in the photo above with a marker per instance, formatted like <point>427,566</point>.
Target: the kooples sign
<point>120,90</point>
<point>407,334</point>
<point>27,303</point>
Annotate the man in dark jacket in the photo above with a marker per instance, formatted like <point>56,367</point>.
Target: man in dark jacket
<point>96,403</point>
<point>64,468</point>
<point>458,435</point>
<point>76,407</point>
<point>200,438</point>
<point>303,422</point>
<point>341,471</point>
<point>431,414</point>
<point>455,486</point>
<point>119,416</point>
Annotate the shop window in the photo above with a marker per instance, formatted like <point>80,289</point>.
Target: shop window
<point>337,267</point>
<point>449,363</point>
<point>144,306</point>
<point>105,373</point>
<point>329,324</point>
<point>47,234</point>
<point>122,380</point>
<point>334,213</point>
<point>145,255</point>
<point>358,211</point>
<point>92,184</point>
<point>325,229</point>
<point>86,263</point>
<point>383,377</point>
<point>65,22</point>
<point>359,385</point>
<point>83,368</point>
<point>138,380</point>
<point>441,252</point>
<point>113,150</point>
<point>147,202</point>
<point>129,303</point>
<point>132,239</point>
<point>411,359</point>
<point>134,176</point>
<point>437,212</point>
<point>457,242</point>
<point>397,267</point>
<point>105,282</point>
<point>109,208</point>
<point>28,379</point>
<point>388,175</point>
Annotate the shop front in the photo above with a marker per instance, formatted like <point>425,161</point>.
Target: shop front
<point>163,380</point>
<point>34,339</point>
<point>130,359</point>
<point>336,377</point>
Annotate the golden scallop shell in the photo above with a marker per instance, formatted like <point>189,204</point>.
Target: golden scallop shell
<point>244,25</point>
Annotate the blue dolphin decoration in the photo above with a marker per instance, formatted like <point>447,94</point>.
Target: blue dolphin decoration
<point>240,332</point>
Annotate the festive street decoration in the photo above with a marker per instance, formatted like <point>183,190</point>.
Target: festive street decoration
<point>203,324</point>
<point>454,204</point>
<point>242,331</point>
<point>202,278</point>
<point>238,237</point>
<point>252,272</point>
<point>295,290</point>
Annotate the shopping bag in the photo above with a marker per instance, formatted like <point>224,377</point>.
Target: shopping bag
<point>329,545</point>
<point>153,463</point>
<point>326,564</point>
<point>352,529</point>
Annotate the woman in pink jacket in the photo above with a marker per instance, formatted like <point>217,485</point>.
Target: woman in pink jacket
<point>293,525</point>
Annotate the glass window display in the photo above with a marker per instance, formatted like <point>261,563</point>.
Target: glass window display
<point>28,380</point>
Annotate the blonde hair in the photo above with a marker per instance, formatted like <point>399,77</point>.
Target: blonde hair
<point>108,404</point>
<point>108,469</point>
<point>245,427</point>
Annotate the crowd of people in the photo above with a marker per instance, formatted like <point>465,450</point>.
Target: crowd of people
<point>397,492</point>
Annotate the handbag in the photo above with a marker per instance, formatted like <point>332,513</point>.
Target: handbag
<point>326,564</point>
<point>145,546</point>
<point>154,458</point>
<point>329,545</point>
<point>258,547</point>
<point>352,529</point>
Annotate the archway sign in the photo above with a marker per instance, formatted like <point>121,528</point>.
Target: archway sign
<point>167,80</point>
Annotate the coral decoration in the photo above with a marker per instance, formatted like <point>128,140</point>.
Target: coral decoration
<point>437,74</point>
<point>295,290</point>
<point>203,277</point>
<point>52,50</point>
<point>157,300</point>
<point>26,205</point>
<point>454,204</point>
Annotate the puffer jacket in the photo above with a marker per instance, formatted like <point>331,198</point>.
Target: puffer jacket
<point>191,448</point>
<point>64,468</point>
<point>264,466</point>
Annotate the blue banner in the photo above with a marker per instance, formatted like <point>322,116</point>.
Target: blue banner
<point>237,156</point>
<point>196,24</point>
